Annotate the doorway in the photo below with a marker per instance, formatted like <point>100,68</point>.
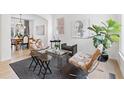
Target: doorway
<point>20,34</point>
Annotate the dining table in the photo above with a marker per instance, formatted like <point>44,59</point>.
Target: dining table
<point>16,42</point>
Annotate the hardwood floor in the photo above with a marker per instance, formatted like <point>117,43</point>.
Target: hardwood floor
<point>6,71</point>
<point>101,72</point>
<point>20,55</point>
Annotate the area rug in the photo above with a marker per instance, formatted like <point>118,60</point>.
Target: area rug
<point>21,68</point>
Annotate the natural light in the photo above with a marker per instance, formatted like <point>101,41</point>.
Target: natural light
<point>122,38</point>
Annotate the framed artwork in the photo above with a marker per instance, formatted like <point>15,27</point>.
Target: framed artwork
<point>60,25</point>
<point>40,30</point>
<point>80,28</point>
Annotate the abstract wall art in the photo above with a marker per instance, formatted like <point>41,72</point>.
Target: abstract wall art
<point>60,25</point>
<point>80,28</point>
<point>40,30</point>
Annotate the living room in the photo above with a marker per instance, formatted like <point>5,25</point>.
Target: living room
<point>51,27</point>
<point>51,46</point>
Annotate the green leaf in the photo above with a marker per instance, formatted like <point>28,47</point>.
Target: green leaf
<point>115,37</point>
<point>103,32</point>
<point>113,26</point>
<point>97,28</point>
<point>104,24</point>
<point>100,37</point>
<point>110,23</point>
<point>96,42</point>
<point>106,34</point>
<point>107,43</point>
<point>92,29</point>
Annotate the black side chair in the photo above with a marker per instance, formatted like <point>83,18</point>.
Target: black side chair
<point>72,49</point>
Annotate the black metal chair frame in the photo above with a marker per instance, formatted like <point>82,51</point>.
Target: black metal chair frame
<point>42,63</point>
<point>34,60</point>
<point>45,65</point>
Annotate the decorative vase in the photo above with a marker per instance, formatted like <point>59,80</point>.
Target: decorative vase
<point>103,58</point>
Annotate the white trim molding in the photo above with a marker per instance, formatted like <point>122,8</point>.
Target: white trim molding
<point>121,62</point>
<point>121,55</point>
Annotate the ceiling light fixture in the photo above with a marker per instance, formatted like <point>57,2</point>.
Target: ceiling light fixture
<point>20,26</point>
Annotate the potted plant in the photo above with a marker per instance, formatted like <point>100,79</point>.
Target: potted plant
<point>106,35</point>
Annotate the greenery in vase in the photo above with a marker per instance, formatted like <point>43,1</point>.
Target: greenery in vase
<point>19,35</point>
<point>56,46</point>
<point>106,34</point>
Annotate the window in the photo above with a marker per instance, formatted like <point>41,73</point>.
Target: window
<point>122,37</point>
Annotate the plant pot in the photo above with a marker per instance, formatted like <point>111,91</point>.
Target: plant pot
<point>103,58</point>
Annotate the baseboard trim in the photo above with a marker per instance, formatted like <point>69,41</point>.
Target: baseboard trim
<point>116,63</point>
<point>5,60</point>
<point>121,55</point>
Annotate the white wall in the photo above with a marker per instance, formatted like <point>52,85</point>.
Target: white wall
<point>5,35</point>
<point>84,45</point>
<point>50,26</point>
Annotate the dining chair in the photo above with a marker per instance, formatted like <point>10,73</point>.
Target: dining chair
<point>25,41</point>
<point>86,64</point>
<point>13,42</point>
<point>34,60</point>
<point>44,61</point>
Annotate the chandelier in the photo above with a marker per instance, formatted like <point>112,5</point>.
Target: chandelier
<point>20,26</point>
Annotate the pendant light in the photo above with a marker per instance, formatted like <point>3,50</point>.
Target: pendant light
<point>20,26</point>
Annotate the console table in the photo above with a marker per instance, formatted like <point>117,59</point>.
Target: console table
<point>55,42</point>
